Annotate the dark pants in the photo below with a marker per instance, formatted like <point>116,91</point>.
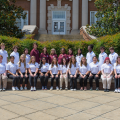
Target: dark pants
<point>44,79</point>
<point>83,79</point>
<point>56,78</point>
<point>96,80</point>
<point>73,79</point>
<point>21,79</point>
<point>117,83</point>
<point>33,78</point>
<point>15,79</point>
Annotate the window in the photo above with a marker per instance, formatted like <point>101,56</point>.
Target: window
<point>58,14</point>
<point>21,22</point>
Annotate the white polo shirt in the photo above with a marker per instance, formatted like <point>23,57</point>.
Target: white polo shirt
<point>27,58</point>
<point>22,67</point>
<point>33,66</point>
<point>117,68</point>
<point>2,68</point>
<point>84,69</point>
<point>44,68</point>
<point>78,58</point>
<point>5,55</point>
<point>113,57</point>
<point>16,55</point>
<point>102,57</point>
<point>12,67</point>
<point>107,68</point>
<point>89,57</point>
<point>94,68</point>
<point>54,69</point>
<point>73,68</point>
<point>63,68</point>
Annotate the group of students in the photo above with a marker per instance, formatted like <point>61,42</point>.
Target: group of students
<point>63,67</point>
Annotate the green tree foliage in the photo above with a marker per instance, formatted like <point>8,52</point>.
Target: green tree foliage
<point>9,12</point>
<point>108,16</point>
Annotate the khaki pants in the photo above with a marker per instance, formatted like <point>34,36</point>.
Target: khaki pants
<point>62,78</point>
<point>106,81</point>
<point>4,80</point>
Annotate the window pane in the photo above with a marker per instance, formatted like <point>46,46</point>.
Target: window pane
<point>58,14</point>
<point>92,18</point>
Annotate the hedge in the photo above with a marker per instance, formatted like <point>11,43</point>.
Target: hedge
<point>106,41</point>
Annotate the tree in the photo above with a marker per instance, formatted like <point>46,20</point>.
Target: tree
<point>8,15</point>
<point>108,15</point>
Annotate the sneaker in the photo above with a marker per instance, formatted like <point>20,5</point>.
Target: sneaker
<point>75,89</point>
<point>13,88</point>
<point>97,89</point>
<point>57,88</point>
<point>91,89</point>
<point>16,88</point>
<point>60,88</point>
<point>25,88</point>
<point>85,89</point>
<point>71,89</point>
<point>81,89</point>
<point>51,88</point>
<point>116,90</point>
<point>21,88</point>
<point>105,90</point>
<point>45,87</point>
<point>4,89</point>
<point>0,90</point>
<point>66,88</point>
<point>34,88</point>
<point>42,87</point>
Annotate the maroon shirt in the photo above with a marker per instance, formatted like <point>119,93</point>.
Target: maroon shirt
<point>44,55</point>
<point>69,57</point>
<point>36,54</point>
<point>51,58</point>
<point>61,56</point>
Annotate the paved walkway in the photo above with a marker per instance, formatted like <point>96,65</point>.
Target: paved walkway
<point>59,105</point>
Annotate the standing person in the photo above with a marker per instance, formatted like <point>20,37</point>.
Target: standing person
<point>44,73</point>
<point>107,71</point>
<point>44,54</point>
<point>70,54</point>
<point>27,55</point>
<point>117,75</point>
<point>23,71</point>
<point>84,71</point>
<point>35,52</point>
<point>64,74</point>
<point>113,55</point>
<point>33,72</point>
<point>95,73</point>
<point>62,55</point>
<point>79,55</point>
<point>4,53</point>
<point>12,70</point>
<point>3,76</point>
<point>90,54</point>
<point>52,55</point>
<point>54,72</point>
<point>15,54</point>
<point>73,71</point>
<point>102,55</point>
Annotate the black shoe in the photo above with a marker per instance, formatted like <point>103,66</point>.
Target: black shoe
<point>105,90</point>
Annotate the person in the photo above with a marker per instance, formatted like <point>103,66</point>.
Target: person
<point>70,54</point>
<point>44,73</point>
<point>90,54</point>
<point>102,55</point>
<point>54,69</point>
<point>33,72</point>
<point>117,75</point>
<point>35,52</point>
<point>73,71</point>
<point>52,55</point>
<point>79,55</point>
<point>4,53</point>
<point>27,58</point>
<point>23,73</point>
<point>107,71</point>
<point>62,55</point>
<point>3,76</point>
<point>84,71</point>
<point>113,55</point>
<point>44,54</point>
<point>12,70</point>
<point>64,74</point>
<point>15,54</point>
<point>94,73</point>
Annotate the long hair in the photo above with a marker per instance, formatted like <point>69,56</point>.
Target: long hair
<point>81,63</point>
<point>25,50</point>
<point>19,63</point>
<point>70,63</point>
<point>63,49</point>
<point>41,63</point>
<point>52,64</point>
<point>63,63</point>
<point>51,51</point>
<point>31,59</point>
<point>71,50</point>
<point>117,60</point>
<point>80,53</point>
<point>46,50</point>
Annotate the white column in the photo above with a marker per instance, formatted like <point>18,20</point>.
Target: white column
<point>43,16</point>
<point>75,16</point>
<point>33,8</point>
<point>84,12</point>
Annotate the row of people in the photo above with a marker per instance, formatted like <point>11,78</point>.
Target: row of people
<point>72,70</point>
